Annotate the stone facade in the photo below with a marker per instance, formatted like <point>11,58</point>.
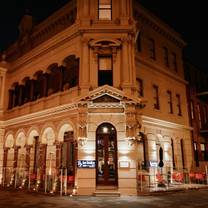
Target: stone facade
<point>58,89</point>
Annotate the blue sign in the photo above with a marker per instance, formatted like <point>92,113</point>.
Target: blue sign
<point>86,163</point>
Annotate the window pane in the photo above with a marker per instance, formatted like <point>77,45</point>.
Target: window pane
<point>105,14</point>
<point>105,63</point>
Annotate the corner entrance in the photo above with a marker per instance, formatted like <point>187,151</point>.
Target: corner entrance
<point>106,155</point>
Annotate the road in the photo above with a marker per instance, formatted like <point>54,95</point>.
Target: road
<point>19,199</point>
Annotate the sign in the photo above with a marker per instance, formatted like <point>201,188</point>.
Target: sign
<point>86,163</point>
<point>124,164</point>
<point>153,164</point>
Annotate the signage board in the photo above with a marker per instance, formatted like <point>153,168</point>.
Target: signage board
<point>124,164</point>
<point>153,164</point>
<point>86,163</point>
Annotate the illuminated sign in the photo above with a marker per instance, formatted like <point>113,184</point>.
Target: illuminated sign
<point>153,164</point>
<point>86,163</point>
<point>124,164</point>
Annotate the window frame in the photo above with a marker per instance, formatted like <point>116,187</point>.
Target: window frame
<point>107,9</point>
<point>178,104</point>
<point>170,101</point>
<point>156,99</point>
<point>151,48</point>
<point>140,85</point>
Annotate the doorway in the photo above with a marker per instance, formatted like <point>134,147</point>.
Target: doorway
<point>106,155</point>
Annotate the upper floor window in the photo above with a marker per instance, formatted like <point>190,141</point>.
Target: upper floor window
<point>199,115</point>
<point>151,44</point>
<point>205,114</point>
<point>178,100</point>
<point>170,101</point>
<point>174,62</point>
<point>140,87</point>
<point>138,41</point>
<point>165,56</point>
<point>105,72</point>
<point>104,10</point>
<point>192,109</point>
<point>156,97</point>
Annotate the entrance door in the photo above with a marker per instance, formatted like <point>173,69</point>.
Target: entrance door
<point>106,155</point>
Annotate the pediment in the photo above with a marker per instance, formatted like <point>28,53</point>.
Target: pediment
<point>108,94</point>
<point>106,99</point>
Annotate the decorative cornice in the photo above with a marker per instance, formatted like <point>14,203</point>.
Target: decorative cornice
<point>41,114</point>
<point>147,18</point>
<point>162,123</point>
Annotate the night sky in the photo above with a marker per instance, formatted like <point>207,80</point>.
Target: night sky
<point>189,18</point>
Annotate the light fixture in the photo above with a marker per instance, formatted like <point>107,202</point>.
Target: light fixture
<point>82,141</point>
<point>138,139</point>
<point>105,130</point>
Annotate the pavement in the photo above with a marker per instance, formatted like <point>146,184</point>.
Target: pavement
<point>22,199</point>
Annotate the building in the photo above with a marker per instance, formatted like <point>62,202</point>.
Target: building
<point>197,93</point>
<point>96,92</point>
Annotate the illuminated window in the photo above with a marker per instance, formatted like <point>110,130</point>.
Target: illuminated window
<point>104,10</point>
<point>156,97</point>
<point>105,72</point>
<point>170,101</point>
<point>151,45</point>
<point>182,153</point>
<point>165,56</point>
<point>174,62</point>
<point>178,100</point>
<point>192,109</point>
<point>140,87</point>
<point>203,151</point>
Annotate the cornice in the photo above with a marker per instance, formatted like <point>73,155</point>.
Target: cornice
<point>161,70</point>
<point>41,114</point>
<point>148,18</point>
<point>162,123</point>
<point>45,47</point>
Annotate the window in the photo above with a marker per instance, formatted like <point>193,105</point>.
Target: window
<point>199,115</point>
<point>174,63</point>
<point>173,157</point>
<point>105,72</point>
<point>170,101</point>
<point>203,151</point>
<point>156,97</point>
<point>196,156</point>
<point>192,109</point>
<point>104,10</point>
<point>140,87</point>
<point>182,153</point>
<point>178,100</point>
<point>138,41</point>
<point>151,48</point>
<point>165,56</point>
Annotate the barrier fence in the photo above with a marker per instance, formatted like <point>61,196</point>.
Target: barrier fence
<point>169,179</point>
<point>54,182</point>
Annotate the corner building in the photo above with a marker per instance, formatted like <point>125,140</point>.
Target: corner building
<point>93,93</point>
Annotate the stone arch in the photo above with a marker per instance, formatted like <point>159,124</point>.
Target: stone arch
<point>105,41</point>
<point>64,127</point>
<point>20,138</point>
<point>9,141</point>
<point>33,132</point>
<point>48,136</point>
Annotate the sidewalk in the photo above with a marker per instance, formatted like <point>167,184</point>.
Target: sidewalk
<point>171,189</point>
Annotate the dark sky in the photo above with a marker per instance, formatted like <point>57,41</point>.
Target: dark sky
<point>189,18</point>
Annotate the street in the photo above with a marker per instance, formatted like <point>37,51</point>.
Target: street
<point>20,199</point>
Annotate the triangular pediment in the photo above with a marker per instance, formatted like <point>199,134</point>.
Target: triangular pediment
<point>106,99</point>
<point>108,94</point>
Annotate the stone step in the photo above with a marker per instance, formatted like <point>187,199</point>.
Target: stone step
<point>107,193</point>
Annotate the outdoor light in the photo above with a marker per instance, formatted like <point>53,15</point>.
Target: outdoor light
<point>105,130</point>
<point>82,141</point>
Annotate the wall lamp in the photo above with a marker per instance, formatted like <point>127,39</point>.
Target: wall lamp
<point>82,141</point>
